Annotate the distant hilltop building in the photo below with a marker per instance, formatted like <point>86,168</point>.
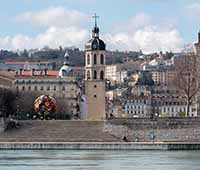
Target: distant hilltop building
<point>95,50</point>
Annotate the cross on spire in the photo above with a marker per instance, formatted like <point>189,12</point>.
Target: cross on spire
<point>95,19</point>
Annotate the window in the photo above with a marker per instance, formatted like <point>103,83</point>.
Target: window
<point>193,109</point>
<point>54,88</point>
<point>29,88</point>
<point>102,59</point>
<point>102,75</point>
<point>88,75</point>
<point>95,86</point>
<point>95,59</point>
<point>23,88</point>
<point>35,88</point>
<point>88,59</point>
<point>48,88</point>
<point>63,88</point>
<point>95,74</point>
<point>95,96</point>
<point>42,88</point>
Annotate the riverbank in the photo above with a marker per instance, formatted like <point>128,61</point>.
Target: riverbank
<point>98,146</point>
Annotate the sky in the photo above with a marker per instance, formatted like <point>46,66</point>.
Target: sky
<point>147,25</point>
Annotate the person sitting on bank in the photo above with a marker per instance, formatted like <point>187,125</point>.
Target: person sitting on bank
<point>125,139</point>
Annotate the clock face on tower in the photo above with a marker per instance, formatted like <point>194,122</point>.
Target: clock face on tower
<point>94,46</point>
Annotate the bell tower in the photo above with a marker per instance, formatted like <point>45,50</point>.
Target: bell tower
<point>94,75</point>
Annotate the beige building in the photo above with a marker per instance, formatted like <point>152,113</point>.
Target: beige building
<point>6,79</point>
<point>58,87</point>
<point>94,80</point>
<point>165,77</point>
<point>115,73</point>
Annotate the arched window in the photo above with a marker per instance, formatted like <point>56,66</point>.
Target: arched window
<point>95,74</point>
<point>88,75</point>
<point>102,59</point>
<point>102,75</point>
<point>88,59</point>
<point>64,73</point>
<point>95,59</point>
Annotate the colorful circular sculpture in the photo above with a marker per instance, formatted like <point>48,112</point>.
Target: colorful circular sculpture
<point>45,105</point>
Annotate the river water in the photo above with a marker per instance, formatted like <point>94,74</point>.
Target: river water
<point>99,160</point>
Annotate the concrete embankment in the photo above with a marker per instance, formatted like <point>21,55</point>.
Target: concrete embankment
<point>97,146</point>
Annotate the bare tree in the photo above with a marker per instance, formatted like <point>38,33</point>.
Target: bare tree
<point>187,79</point>
<point>62,109</point>
<point>25,103</point>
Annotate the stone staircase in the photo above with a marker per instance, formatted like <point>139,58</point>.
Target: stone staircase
<point>58,131</point>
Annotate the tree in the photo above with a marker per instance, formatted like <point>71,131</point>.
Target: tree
<point>187,79</point>
<point>7,102</point>
<point>62,111</point>
<point>25,103</point>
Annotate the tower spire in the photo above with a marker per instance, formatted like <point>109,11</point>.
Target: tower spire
<point>95,32</point>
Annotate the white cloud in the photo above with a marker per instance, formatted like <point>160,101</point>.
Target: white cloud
<point>149,40</point>
<point>139,33</point>
<point>64,28</point>
<point>53,37</point>
<point>54,16</point>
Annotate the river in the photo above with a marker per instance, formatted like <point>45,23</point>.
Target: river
<point>99,160</point>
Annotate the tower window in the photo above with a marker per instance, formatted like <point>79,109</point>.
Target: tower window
<point>88,59</point>
<point>95,74</point>
<point>102,59</point>
<point>95,86</point>
<point>102,75</point>
<point>95,59</point>
<point>88,75</point>
<point>95,96</point>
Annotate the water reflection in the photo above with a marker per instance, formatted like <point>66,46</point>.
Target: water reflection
<point>99,160</point>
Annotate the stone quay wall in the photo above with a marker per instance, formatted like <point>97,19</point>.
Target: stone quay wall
<point>97,146</point>
<point>157,130</point>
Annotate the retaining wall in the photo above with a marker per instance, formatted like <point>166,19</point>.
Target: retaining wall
<point>160,130</point>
